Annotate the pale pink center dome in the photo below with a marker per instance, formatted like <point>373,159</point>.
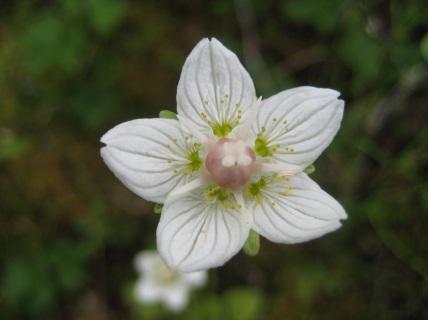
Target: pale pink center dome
<point>231,163</point>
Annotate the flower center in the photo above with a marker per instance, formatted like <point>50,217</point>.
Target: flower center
<point>231,163</point>
<point>164,275</point>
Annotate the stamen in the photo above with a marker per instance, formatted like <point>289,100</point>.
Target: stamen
<point>195,131</point>
<point>192,185</point>
<point>282,168</point>
<point>239,198</point>
<point>244,131</point>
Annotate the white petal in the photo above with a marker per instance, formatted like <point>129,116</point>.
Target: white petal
<point>300,123</point>
<point>146,291</point>
<point>243,132</point>
<point>146,261</point>
<point>195,279</point>
<point>149,156</point>
<point>176,298</point>
<point>193,235</point>
<point>188,126</point>
<point>214,87</point>
<point>295,210</point>
<point>282,168</point>
<point>192,185</point>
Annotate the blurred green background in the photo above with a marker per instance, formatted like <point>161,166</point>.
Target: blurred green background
<point>71,69</point>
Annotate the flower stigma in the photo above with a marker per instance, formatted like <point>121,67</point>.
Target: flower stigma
<point>231,163</point>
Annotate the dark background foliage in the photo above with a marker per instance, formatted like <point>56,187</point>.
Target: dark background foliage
<point>71,69</point>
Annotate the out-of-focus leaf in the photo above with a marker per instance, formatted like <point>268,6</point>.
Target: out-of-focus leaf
<point>73,8</point>
<point>243,304</point>
<point>13,147</point>
<point>424,46</point>
<point>321,14</point>
<point>362,53</point>
<point>312,279</point>
<point>21,276</point>
<point>48,43</point>
<point>405,55</point>
<point>91,105</point>
<point>399,230</point>
<point>208,307</point>
<point>68,260</point>
<point>37,280</point>
<point>105,15</point>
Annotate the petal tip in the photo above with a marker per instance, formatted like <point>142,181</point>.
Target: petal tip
<point>335,92</point>
<point>335,226</point>
<point>103,152</point>
<point>203,42</point>
<point>343,215</point>
<point>215,41</point>
<point>103,138</point>
<point>331,92</point>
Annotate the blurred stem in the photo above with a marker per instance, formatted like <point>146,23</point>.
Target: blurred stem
<point>394,102</point>
<point>251,46</point>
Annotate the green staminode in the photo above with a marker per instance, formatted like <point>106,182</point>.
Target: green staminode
<point>195,161</point>
<point>262,149</point>
<point>255,188</point>
<point>222,130</point>
<point>218,193</point>
<point>222,196</point>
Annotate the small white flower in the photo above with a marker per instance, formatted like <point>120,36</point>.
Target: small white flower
<point>158,283</point>
<point>230,163</point>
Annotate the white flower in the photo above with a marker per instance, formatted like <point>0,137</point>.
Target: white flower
<point>158,283</point>
<point>230,163</point>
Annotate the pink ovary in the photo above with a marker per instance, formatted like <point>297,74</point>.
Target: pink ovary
<point>231,163</point>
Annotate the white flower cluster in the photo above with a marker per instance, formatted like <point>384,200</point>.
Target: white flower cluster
<point>230,163</point>
<point>158,283</point>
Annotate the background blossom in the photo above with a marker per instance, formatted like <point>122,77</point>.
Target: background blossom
<point>158,283</point>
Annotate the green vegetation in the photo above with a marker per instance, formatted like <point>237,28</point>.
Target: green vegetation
<point>72,69</point>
